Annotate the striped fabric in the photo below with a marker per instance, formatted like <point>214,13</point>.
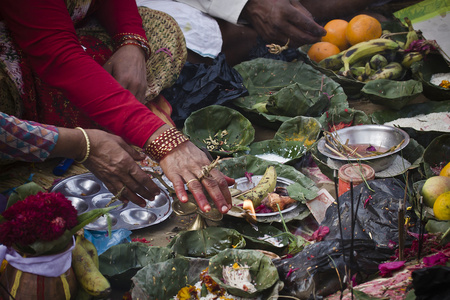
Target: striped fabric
<point>25,140</point>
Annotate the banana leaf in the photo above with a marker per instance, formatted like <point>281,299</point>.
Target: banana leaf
<point>121,262</point>
<point>436,155</point>
<point>263,272</point>
<point>206,242</point>
<point>436,226</point>
<point>221,124</point>
<point>278,90</point>
<point>302,190</point>
<point>424,70</point>
<point>23,191</point>
<point>392,93</point>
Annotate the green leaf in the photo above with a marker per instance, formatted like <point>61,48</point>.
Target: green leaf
<point>222,125</point>
<point>23,191</point>
<point>206,242</point>
<point>90,216</point>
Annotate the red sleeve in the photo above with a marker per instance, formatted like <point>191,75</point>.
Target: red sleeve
<point>45,33</point>
<point>120,16</point>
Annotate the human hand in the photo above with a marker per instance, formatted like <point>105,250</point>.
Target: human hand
<point>112,160</point>
<point>127,66</point>
<point>185,163</point>
<point>278,21</point>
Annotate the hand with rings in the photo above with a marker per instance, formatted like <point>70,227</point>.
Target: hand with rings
<point>181,171</point>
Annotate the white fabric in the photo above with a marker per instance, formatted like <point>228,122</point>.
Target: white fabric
<point>228,10</point>
<point>46,265</point>
<point>201,32</point>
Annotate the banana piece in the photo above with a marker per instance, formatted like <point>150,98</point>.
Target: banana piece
<point>367,49</point>
<point>411,35</point>
<point>358,71</point>
<point>410,58</point>
<point>393,70</point>
<point>265,186</point>
<point>333,62</point>
<point>378,61</point>
<point>88,275</point>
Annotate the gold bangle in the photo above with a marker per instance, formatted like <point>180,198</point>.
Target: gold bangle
<point>88,146</point>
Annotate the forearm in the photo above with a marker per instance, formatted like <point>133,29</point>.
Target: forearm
<point>330,9</point>
<point>71,144</point>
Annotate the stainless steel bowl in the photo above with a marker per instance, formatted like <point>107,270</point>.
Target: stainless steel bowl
<point>376,135</point>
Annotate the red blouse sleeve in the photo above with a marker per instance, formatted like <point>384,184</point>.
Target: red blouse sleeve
<point>120,16</point>
<point>45,33</point>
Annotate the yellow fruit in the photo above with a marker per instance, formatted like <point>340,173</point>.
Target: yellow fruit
<point>441,207</point>
<point>445,171</point>
<point>322,50</point>
<point>336,33</point>
<point>362,28</point>
<point>433,187</point>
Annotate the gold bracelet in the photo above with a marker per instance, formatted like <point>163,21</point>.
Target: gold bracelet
<point>164,143</point>
<point>88,146</point>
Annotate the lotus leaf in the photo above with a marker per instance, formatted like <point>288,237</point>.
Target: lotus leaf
<point>263,272</point>
<point>121,262</point>
<point>437,155</point>
<point>279,89</point>
<point>220,130</point>
<point>433,64</point>
<point>392,93</point>
<point>206,242</point>
<point>302,190</point>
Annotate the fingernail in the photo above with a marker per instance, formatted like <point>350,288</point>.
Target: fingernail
<point>207,208</point>
<point>184,199</point>
<point>224,209</point>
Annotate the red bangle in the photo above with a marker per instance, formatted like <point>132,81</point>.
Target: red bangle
<point>164,143</point>
<point>122,39</point>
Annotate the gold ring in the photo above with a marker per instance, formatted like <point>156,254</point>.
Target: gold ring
<point>189,181</point>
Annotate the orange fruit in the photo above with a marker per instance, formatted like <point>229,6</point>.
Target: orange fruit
<point>322,50</point>
<point>336,33</point>
<point>362,28</point>
<point>445,170</point>
<point>441,207</point>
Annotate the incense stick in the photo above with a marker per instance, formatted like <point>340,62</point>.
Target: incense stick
<point>336,188</point>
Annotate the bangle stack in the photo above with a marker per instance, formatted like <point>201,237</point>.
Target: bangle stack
<point>88,146</point>
<point>164,143</point>
<point>123,39</point>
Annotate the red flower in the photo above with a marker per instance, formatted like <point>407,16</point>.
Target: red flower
<point>40,217</point>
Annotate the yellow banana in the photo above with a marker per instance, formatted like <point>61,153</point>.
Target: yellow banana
<point>265,186</point>
<point>88,275</point>
<point>89,247</point>
<point>393,70</point>
<point>367,49</point>
<point>410,58</point>
<point>333,62</point>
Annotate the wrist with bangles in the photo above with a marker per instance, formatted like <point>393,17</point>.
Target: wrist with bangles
<point>123,39</point>
<point>88,146</point>
<point>165,143</point>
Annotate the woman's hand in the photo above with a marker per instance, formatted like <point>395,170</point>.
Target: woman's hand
<point>112,160</point>
<point>278,21</point>
<point>127,66</point>
<point>185,163</point>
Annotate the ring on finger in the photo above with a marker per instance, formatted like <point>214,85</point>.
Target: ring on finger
<point>189,181</point>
